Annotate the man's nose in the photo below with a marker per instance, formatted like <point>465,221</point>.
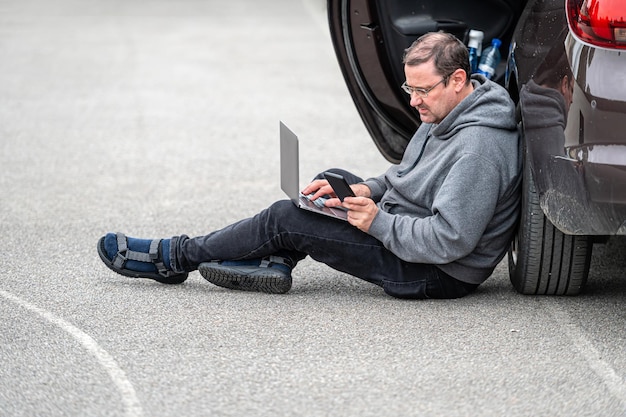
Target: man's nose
<point>416,100</point>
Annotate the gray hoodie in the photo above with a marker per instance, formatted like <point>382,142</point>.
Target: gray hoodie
<point>453,200</point>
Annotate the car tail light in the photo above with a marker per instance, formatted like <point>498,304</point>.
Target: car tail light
<point>598,22</point>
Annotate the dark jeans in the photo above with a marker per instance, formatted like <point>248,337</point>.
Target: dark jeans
<point>295,233</point>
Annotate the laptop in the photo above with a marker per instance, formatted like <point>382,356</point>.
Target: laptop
<point>290,177</point>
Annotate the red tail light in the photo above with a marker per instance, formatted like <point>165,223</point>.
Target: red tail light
<point>598,22</point>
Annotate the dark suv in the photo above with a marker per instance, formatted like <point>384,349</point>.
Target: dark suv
<point>565,67</point>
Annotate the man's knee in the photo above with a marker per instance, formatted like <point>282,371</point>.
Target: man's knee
<point>282,206</point>
<point>283,212</point>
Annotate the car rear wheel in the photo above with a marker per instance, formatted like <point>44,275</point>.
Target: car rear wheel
<point>542,259</point>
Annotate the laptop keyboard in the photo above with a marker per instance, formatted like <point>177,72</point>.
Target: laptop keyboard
<point>320,202</point>
<point>319,206</point>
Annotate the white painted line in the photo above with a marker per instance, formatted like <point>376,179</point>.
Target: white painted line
<point>615,383</point>
<point>125,388</point>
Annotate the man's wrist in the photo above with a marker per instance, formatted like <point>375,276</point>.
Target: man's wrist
<point>362,190</point>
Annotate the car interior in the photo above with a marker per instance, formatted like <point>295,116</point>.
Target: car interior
<point>403,21</point>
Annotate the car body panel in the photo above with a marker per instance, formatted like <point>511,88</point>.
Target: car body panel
<point>576,144</point>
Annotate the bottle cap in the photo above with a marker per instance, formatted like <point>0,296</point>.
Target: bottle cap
<point>475,38</point>
<point>496,42</point>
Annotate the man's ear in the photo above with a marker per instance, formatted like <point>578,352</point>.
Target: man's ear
<point>458,79</point>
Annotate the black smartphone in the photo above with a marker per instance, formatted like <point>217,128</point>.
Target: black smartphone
<point>339,184</point>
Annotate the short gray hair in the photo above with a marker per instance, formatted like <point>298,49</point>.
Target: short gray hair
<point>446,50</point>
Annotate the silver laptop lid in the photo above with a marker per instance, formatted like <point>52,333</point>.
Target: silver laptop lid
<point>289,163</point>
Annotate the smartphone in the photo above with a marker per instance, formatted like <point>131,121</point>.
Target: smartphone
<point>339,184</point>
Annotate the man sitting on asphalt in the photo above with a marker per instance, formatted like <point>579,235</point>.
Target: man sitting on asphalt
<point>434,226</point>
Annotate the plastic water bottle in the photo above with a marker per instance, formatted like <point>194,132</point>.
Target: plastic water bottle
<point>490,59</point>
<point>475,46</point>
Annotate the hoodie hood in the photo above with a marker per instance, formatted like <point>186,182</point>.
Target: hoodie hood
<point>488,106</point>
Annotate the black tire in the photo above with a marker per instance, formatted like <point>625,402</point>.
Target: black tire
<point>542,259</point>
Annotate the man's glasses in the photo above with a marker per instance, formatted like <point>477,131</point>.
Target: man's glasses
<point>421,92</point>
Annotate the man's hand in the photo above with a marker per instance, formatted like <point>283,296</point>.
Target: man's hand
<point>361,209</point>
<point>320,188</point>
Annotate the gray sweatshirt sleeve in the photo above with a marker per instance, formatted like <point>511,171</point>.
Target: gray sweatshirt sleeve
<point>461,211</point>
<point>377,186</point>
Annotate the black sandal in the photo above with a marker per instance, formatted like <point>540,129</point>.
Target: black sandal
<point>271,274</point>
<point>123,255</point>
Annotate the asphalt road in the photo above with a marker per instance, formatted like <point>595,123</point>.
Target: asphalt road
<point>158,118</point>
